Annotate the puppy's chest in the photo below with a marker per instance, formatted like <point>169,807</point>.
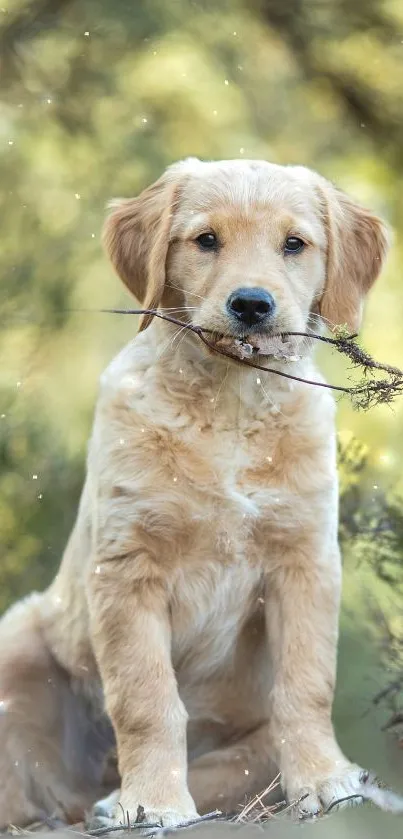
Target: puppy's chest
<point>233,486</point>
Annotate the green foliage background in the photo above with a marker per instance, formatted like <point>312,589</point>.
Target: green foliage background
<point>97,96</point>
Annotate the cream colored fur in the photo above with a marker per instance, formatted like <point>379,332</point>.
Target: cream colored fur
<point>198,596</point>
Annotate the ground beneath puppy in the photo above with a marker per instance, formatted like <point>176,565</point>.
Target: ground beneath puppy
<point>255,812</point>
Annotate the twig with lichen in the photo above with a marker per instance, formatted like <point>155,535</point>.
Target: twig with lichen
<point>367,393</point>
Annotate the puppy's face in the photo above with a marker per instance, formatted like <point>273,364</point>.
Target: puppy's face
<point>249,248</point>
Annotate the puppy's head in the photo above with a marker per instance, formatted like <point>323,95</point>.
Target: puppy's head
<point>247,247</point>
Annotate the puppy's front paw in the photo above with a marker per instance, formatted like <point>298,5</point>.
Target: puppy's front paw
<point>322,796</point>
<point>102,813</point>
<point>167,817</point>
<point>110,812</point>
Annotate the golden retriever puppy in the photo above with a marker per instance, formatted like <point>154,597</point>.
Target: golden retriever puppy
<point>194,618</point>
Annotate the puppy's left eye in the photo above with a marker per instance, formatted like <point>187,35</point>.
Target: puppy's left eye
<point>293,244</point>
<point>207,241</point>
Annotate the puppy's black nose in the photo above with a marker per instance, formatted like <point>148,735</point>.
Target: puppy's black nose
<point>251,306</point>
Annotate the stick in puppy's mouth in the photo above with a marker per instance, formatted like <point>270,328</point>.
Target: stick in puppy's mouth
<point>365,394</point>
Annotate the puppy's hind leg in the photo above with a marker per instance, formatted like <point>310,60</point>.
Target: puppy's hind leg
<point>45,737</point>
<point>228,777</point>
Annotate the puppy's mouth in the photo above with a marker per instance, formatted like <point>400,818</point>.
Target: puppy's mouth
<point>278,347</point>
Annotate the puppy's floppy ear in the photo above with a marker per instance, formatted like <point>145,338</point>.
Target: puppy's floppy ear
<point>357,244</point>
<point>136,236</point>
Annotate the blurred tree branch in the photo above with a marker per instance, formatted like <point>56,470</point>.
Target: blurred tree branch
<point>305,26</point>
<point>371,532</point>
<point>29,20</point>
<point>302,24</point>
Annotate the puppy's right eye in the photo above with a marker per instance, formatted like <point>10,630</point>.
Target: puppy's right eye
<point>207,241</point>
